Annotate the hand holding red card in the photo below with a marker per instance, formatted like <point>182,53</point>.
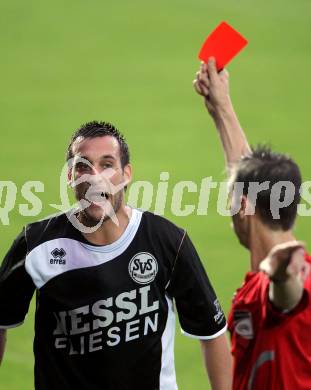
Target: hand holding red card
<point>223,44</point>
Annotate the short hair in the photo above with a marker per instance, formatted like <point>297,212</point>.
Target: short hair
<point>261,165</point>
<point>100,129</point>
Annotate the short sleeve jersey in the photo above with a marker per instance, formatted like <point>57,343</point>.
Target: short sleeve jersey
<point>271,348</point>
<point>105,316</point>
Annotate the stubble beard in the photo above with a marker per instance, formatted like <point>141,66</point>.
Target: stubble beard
<point>90,220</point>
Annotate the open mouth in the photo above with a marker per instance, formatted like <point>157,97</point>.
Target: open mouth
<point>96,198</point>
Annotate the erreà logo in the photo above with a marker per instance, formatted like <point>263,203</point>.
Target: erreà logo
<point>58,256</point>
<point>143,268</point>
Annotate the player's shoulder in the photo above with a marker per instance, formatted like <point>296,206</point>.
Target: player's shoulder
<point>162,225</point>
<point>253,288</point>
<point>308,258</point>
<point>46,229</point>
<point>48,223</point>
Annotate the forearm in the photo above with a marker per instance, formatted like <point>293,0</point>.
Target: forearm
<point>218,362</point>
<point>287,294</point>
<point>232,136</point>
<point>2,343</point>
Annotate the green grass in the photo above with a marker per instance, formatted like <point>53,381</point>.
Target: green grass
<point>132,63</point>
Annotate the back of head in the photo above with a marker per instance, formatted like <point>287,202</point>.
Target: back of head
<point>263,165</point>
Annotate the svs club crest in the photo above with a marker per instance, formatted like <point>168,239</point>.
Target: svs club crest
<point>143,268</point>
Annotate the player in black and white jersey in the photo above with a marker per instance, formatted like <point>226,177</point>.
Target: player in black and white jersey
<point>105,298</point>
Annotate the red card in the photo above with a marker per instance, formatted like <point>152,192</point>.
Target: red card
<point>223,44</point>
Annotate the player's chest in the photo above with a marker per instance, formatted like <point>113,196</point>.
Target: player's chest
<point>62,268</point>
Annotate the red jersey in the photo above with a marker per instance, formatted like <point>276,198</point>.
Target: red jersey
<point>271,349</point>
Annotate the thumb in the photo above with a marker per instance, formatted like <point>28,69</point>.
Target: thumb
<point>211,69</point>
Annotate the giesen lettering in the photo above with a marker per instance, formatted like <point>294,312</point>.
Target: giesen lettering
<point>88,328</point>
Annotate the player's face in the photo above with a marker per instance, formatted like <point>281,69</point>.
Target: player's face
<point>97,164</point>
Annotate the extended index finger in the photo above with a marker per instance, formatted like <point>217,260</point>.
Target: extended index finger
<point>280,253</point>
<point>287,247</point>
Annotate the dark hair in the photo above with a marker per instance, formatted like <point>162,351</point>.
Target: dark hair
<point>101,129</point>
<point>262,165</point>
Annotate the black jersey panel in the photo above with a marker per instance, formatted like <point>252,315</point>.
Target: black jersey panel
<point>101,327</point>
<point>198,308</point>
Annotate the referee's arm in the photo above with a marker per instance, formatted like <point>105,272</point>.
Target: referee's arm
<point>214,87</point>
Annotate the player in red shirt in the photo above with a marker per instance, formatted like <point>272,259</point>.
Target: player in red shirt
<point>270,316</point>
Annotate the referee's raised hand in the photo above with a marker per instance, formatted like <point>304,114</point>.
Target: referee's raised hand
<point>213,86</point>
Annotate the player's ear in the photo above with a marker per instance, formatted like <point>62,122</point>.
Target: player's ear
<point>247,205</point>
<point>243,207</point>
<point>127,173</point>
